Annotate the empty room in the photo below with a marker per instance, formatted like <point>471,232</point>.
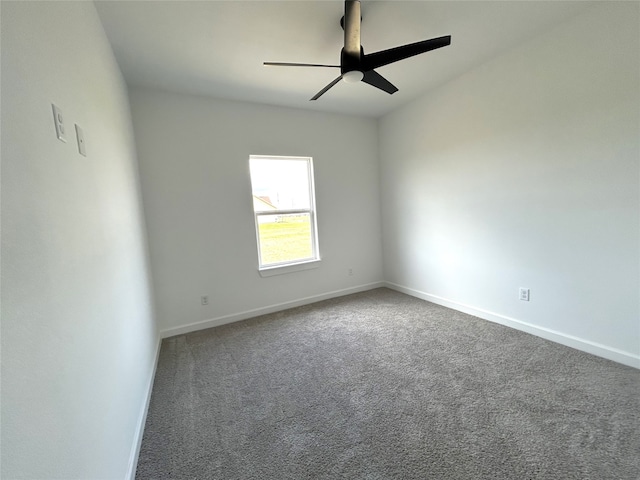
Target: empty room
<point>320,239</point>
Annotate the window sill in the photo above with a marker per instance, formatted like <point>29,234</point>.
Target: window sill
<point>290,268</point>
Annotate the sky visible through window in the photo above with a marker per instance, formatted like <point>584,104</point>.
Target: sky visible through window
<point>283,183</point>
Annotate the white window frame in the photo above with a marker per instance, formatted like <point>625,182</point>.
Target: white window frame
<point>294,265</point>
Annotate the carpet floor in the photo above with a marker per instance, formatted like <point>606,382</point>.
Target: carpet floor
<point>381,385</point>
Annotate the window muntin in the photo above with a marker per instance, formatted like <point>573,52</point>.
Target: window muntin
<point>284,210</point>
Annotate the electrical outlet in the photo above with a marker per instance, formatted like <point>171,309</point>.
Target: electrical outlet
<point>58,120</point>
<point>524,294</point>
<point>350,272</point>
<point>204,299</point>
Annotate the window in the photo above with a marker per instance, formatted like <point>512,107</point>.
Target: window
<point>284,210</point>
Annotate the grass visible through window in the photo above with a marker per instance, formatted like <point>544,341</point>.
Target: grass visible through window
<point>286,240</point>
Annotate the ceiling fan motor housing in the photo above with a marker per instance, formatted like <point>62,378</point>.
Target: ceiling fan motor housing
<point>350,62</point>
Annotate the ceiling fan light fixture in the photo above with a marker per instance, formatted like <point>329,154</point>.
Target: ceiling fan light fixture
<point>354,76</point>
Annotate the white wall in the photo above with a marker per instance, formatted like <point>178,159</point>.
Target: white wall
<point>194,162</point>
<point>525,173</point>
<point>78,335</point>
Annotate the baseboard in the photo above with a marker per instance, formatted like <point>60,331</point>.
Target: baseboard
<point>593,348</point>
<point>137,439</point>
<point>236,317</point>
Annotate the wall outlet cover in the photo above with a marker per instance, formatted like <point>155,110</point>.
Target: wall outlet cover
<point>81,146</point>
<point>58,121</point>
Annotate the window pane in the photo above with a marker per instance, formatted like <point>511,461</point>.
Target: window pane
<point>280,184</point>
<point>285,238</point>
<point>282,189</point>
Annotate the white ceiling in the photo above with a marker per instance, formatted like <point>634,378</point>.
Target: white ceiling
<point>216,48</point>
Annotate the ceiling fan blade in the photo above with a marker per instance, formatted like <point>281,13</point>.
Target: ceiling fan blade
<point>325,89</point>
<point>352,28</point>
<point>286,64</point>
<point>385,57</point>
<point>375,79</point>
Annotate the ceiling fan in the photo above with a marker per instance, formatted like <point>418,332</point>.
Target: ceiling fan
<point>355,65</point>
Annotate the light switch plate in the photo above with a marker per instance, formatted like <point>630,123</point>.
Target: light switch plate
<point>58,120</point>
<point>81,146</point>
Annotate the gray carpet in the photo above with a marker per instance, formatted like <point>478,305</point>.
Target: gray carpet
<point>380,385</point>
